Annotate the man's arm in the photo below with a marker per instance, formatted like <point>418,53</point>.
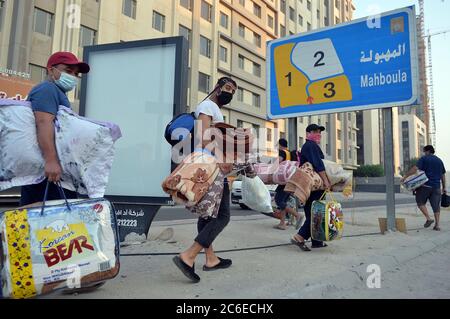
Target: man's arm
<point>46,140</point>
<point>443,184</point>
<point>326,181</point>
<point>411,171</point>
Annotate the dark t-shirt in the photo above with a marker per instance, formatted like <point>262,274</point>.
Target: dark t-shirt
<point>312,153</point>
<point>47,97</point>
<point>433,168</point>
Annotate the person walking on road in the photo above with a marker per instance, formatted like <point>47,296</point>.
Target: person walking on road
<point>312,154</point>
<point>208,112</point>
<point>431,191</point>
<point>282,197</point>
<point>63,69</point>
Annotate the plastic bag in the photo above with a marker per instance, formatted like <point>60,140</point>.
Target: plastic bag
<point>255,195</point>
<point>327,220</point>
<point>61,248</point>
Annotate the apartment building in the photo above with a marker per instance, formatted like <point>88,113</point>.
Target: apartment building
<point>226,37</point>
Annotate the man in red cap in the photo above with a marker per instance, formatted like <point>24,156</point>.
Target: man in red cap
<point>63,69</point>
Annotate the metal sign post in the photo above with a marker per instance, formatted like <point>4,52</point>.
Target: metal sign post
<point>389,167</point>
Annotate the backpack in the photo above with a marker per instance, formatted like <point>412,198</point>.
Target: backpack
<point>180,128</point>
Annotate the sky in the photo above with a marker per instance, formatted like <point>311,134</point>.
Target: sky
<point>437,14</point>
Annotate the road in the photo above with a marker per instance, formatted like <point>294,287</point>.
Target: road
<point>179,213</point>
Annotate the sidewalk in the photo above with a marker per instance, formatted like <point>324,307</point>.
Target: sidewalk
<point>412,265</point>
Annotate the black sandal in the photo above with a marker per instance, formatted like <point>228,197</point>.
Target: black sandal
<point>223,264</point>
<point>301,245</point>
<point>186,270</point>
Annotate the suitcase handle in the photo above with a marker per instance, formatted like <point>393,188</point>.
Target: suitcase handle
<point>61,192</point>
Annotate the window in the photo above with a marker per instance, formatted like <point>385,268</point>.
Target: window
<point>2,5</point>
<point>223,54</point>
<point>350,154</point>
<point>338,20</point>
<point>241,61</point>
<point>186,32</point>
<point>257,39</point>
<point>301,119</point>
<point>349,135</point>
<point>206,11</point>
<point>318,14</point>
<point>43,22</point>
<point>292,14</point>
<point>203,82</point>
<point>257,10</point>
<point>337,3</point>
<point>256,69</point>
<point>87,36</point>
<point>224,20</point>
<point>301,141</point>
<point>38,73</point>
<point>283,6</point>
<point>242,3</point>
<point>328,149</point>
<point>240,124</point>
<point>308,26</point>
<point>205,46</point>
<point>256,129</point>
<point>256,100</point>
<point>349,116</point>
<point>308,5</point>
<point>269,135</point>
<point>270,21</point>
<point>241,30</point>
<point>129,8</point>
<point>282,31</point>
<point>339,133</point>
<point>339,154</point>
<point>159,21</point>
<point>300,19</point>
<point>325,21</point>
<point>240,94</point>
<point>186,4</point>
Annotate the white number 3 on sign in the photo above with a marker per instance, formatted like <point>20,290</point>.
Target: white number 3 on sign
<point>374,279</point>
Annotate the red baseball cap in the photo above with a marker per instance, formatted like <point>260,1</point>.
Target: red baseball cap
<point>67,58</point>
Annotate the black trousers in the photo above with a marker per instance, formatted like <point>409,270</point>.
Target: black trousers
<point>209,229</point>
<point>305,230</point>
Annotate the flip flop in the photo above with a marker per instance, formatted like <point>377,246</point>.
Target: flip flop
<point>189,272</point>
<point>223,264</point>
<point>428,223</point>
<point>302,246</point>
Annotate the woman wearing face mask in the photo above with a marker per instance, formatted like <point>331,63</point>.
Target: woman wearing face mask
<point>46,97</point>
<point>312,153</point>
<point>208,113</point>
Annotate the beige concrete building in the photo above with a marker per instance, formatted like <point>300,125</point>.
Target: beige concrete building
<point>413,137</point>
<point>226,37</point>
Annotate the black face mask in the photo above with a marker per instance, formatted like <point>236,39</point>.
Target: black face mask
<point>224,98</point>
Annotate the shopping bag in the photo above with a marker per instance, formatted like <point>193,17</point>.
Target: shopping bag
<point>255,195</point>
<point>327,219</point>
<point>415,181</point>
<point>56,245</point>
<point>445,200</point>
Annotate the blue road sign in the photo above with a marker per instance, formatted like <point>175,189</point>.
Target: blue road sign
<point>362,64</point>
